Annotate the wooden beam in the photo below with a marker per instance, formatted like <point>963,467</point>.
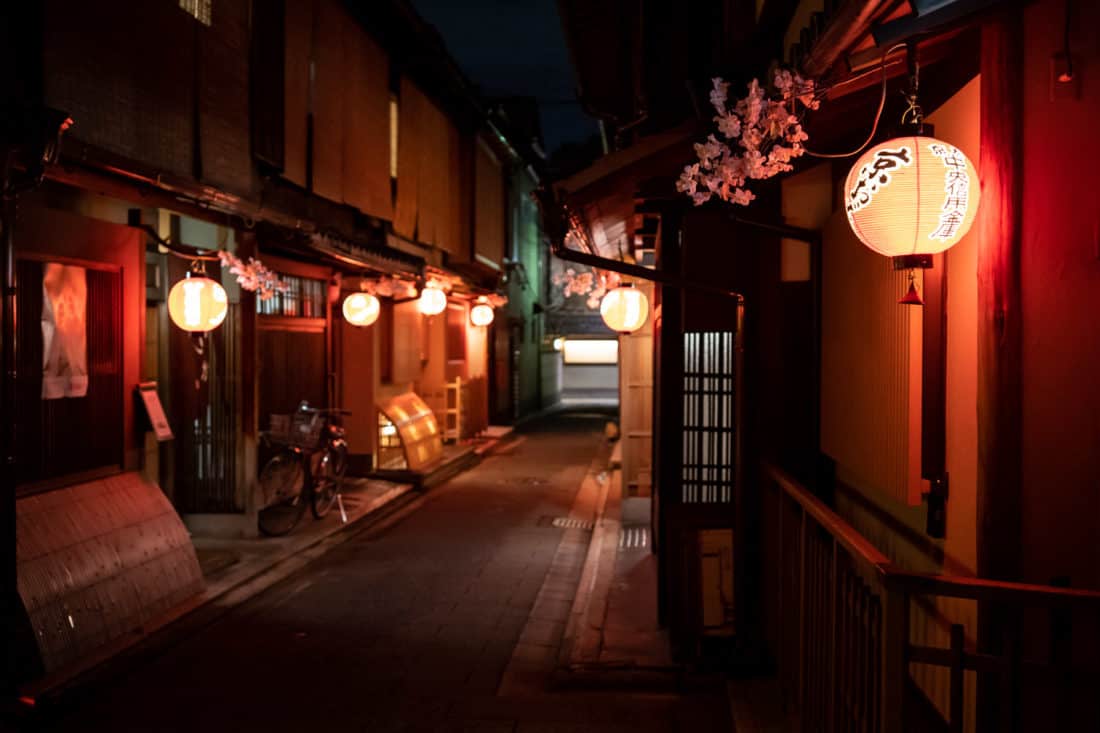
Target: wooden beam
<point>999,312</point>
<point>999,332</point>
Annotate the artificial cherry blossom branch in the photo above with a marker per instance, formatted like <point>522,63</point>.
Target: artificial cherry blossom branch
<point>253,275</point>
<point>761,134</point>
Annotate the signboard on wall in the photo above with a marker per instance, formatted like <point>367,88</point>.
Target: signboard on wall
<point>153,409</point>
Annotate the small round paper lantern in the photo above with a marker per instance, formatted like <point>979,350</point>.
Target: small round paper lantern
<point>432,301</point>
<point>912,195</point>
<point>197,304</point>
<point>481,314</point>
<point>624,309</point>
<point>361,309</point>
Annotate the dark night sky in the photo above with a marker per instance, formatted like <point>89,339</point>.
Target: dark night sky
<point>514,47</point>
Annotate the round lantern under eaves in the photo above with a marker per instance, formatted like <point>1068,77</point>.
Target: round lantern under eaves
<point>361,309</point>
<point>912,196</point>
<point>197,304</point>
<point>432,301</point>
<point>624,309</point>
<point>481,314</point>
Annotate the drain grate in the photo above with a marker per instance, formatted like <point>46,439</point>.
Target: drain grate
<point>631,537</point>
<point>564,523</point>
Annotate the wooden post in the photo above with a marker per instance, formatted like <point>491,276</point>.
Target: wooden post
<point>895,664</point>
<point>958,672</point>
<point>999,328</point>
<point>668,368</point>
<point>9,590</point>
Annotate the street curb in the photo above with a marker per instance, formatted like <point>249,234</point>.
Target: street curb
<point>579,629</point>
<point>578,664</point>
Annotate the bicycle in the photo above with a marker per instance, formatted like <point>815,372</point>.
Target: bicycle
<point>309,468</point>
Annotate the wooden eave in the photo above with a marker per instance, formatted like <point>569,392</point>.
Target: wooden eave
<point>606,193</point>
<point>839,45</point>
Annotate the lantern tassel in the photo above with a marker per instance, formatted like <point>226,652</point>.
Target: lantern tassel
<point>912,297</point>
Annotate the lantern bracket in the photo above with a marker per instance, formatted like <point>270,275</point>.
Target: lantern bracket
<point>913,262</point>
<point>913,114</point>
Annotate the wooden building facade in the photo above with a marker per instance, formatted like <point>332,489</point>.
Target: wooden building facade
<point>907,497</point>
<point>336,163</point>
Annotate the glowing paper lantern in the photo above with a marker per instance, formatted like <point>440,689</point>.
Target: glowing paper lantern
<point>361,309</point>
<point>432,301</point>
<point>197,304</point>
<point>481,314</point>
<point>624,309</point>
<point>912,196</point>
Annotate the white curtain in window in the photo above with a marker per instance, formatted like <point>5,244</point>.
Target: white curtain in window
<point>64,332</point>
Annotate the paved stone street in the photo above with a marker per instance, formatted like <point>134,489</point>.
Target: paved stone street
<point>410,628</point>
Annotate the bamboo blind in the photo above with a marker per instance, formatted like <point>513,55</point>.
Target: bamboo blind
<point>489,213</point>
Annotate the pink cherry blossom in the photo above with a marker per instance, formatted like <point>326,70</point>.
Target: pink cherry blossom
<point>761,134</point>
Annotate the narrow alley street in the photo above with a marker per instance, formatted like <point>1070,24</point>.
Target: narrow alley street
<point>405,627</point>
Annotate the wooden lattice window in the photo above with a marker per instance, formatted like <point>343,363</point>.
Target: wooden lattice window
<point>200,10</point>
<point>710,417</point>
<point>303,298</point>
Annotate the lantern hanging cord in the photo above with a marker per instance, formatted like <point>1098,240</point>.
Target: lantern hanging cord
<point>878,113</point>
<point>913,114</point>
<point>177,250</point>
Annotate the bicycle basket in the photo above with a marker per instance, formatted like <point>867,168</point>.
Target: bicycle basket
<point>305,430</point>
<point>279,428</point>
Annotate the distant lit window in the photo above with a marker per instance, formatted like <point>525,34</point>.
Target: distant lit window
<point>393,135</point>
<point>199,9</point>
<point>591,351</point>
<point>303,298</point>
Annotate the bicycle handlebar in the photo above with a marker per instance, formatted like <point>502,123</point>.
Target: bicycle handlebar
<point>325,410</point>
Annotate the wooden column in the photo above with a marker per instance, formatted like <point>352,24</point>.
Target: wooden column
<point>668,381</point>
<point>999,312</point>
<point>999,328</point>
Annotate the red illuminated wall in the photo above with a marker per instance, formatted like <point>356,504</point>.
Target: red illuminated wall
<point>1061,312</point>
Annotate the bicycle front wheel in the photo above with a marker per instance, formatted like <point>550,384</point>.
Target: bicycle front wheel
<point>282,497</point>
<point>329,479</point>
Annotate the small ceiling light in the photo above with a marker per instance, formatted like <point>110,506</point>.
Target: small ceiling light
<point>624,309</point>
<point>197,304</point>
<point>361,309</point>
<point>432,300</point>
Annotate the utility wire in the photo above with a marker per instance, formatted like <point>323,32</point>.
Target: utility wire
<point>878,114</point>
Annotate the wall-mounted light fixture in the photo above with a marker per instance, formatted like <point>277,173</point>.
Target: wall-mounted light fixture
<point>361,309</point>
<point>913,196</point>
<point>481,314</point>
<point>432,299</point>
<point>197,303</point>
<point>624,309</point>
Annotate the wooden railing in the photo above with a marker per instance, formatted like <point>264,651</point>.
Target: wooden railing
<point>842,639</point>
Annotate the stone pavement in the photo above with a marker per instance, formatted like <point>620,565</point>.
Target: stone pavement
<point>408,627</point>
